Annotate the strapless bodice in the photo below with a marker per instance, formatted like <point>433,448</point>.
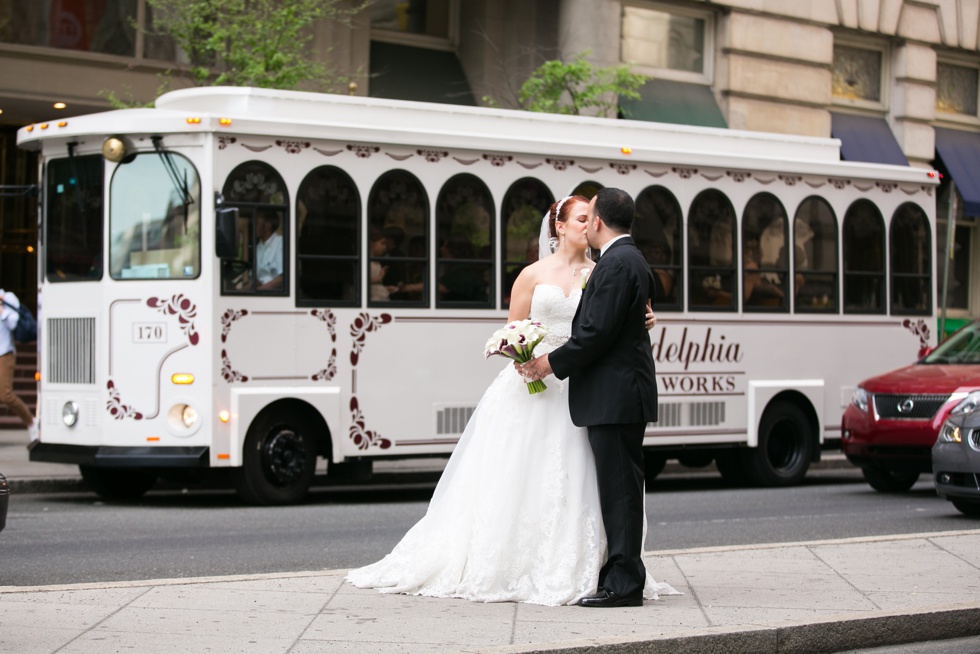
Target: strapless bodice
<point>551,308</point>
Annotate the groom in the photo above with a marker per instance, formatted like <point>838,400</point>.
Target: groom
<point>612,391</point>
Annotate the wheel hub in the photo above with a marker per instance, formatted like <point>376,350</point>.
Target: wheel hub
<point>283,456</point>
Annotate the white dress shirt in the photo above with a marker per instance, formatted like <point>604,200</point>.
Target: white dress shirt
<point>8,321</point>
<point>605,247</point>
<point>269,258</point>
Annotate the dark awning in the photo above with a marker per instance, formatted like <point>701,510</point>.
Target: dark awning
<point>960,153</point>
<point>402,72</point>
<point>865,138</point>
<point>666,101</point>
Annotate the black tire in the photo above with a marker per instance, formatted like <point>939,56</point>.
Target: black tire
<point>967,508</point>
<point>786,441</point>
<point>118,484</point>
<point>731,465</point>
<point>889,481</point>
<point>278,461</point>
<point>653,465</point>
<point>696,459</point>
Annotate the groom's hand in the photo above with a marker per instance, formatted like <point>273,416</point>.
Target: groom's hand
<point>535,369</point>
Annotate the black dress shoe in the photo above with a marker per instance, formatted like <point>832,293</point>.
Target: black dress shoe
<point>608,599</point>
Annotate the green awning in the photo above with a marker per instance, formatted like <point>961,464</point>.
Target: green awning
<point>664,101</point>
<point>402,72</point>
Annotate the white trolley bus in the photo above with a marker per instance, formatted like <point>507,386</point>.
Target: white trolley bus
<point>255,280</point>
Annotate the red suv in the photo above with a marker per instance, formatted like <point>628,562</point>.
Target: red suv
<point>892,422</point>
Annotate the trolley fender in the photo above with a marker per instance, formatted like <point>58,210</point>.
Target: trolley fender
<point>761,392</point>
<point>246,403</point>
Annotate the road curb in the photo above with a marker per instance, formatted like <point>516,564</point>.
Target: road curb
<point>823,637</point>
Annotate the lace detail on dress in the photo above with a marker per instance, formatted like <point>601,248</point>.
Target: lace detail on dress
<point>551,308</point>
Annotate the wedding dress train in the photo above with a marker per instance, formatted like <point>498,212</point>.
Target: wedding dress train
<point>515,515</point>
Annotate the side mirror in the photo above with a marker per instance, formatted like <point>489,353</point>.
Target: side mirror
<point>225,229</point>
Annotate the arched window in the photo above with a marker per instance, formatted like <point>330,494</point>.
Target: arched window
<point>522,211</point>
<point>911,262</point>
<point>864,259</point>
<point>765,262</point>
<point>711,253</point>
<point>398,243</point>
<point>464,233</point>
<point>587,189</point>
<point>657,231</point>
<point>815,257</point>
<point>328,219</point>
<point>262,233</point>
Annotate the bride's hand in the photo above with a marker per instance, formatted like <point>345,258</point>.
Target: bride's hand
<point>650,319</point>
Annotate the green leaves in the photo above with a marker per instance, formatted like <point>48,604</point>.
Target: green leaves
<point>577,86</point>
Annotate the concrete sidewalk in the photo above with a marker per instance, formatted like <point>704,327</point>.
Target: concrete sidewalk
<point>825,596</point>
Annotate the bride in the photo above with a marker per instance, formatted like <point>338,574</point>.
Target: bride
<point>515,516</point>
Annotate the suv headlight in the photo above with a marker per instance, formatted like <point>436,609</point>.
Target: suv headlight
<point>860,399</point>
<point>949,433</point>
<point>969,404</point>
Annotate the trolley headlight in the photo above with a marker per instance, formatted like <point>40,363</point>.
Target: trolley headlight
<point>69,414</point>
<point>860,399</point>
<point>188,416</point>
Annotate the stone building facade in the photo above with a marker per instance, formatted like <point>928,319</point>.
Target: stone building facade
<point>895,80</point>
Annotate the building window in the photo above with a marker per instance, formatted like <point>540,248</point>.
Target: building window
<point>956,89</point>
<point>103,27</point>
<point>857,75</point>
<point>426,23</point>
<point>668,42</point>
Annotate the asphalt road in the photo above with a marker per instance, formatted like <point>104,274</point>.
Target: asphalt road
<point>72,538</point>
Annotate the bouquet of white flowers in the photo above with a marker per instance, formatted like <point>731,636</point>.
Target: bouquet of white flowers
<point>517,340</point>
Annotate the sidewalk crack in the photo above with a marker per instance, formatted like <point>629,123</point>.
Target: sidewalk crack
<point>96,625</point>
<point>315,616</point>
<point>955,555</point>
<point>694,593</point>
<point>843,578</point>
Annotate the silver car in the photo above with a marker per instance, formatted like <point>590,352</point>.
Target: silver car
<point>956,456</point>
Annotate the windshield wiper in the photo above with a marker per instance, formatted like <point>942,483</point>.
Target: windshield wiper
<point>180,184</point>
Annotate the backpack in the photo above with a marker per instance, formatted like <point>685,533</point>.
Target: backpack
<point>25,330</point>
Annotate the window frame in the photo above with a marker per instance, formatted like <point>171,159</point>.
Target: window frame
<point>707,75</point>
<point>956,118</point>
<point>894,276</point>
<point>883,288</point>
<point>447,43</point>
<point>784,272</point>
<point>834,307</point>
<point>883,49</point>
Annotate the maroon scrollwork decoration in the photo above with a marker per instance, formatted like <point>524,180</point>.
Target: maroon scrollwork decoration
<point>560,164</point>
<point>838,182</point>
<point>684,173</point>
<point>623,168</point>
<point>293,147</point>
<point>328,373</point>
<point>364,438</point>
<point>225,141</point>
<point>738,176</point>
<point>116,408</point>
<point>364,151</point>
<point>432,156</point>
<point>359,329</point>
<point>230,374</point>
<point>183,308</point>
<point>921,329</point>
<point>498,160</point>
<point>227,318</point>
<point>886,187</point>
<point>791,180</point>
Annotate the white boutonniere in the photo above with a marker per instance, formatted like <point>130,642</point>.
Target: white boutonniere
<point>585,276</point>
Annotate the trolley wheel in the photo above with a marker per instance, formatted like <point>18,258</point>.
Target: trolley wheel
<point>653,465</point>
<point>782,456</point>
<point>967,508</point>
<point>278,461</point>
<point>889,481</point>
<point>118,484</point>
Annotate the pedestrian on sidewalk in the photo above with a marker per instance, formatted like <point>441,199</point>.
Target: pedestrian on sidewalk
<point>8,359</point>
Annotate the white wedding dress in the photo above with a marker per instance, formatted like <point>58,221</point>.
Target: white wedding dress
<point>515,516</point>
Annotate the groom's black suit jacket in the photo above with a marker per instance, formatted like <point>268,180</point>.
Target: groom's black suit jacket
<point>608,360</point>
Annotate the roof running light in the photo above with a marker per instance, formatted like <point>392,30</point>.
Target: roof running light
<point>44,125</point>
<point>225,122</point>
<point>194,120</point>
<point>62,123</point>
<point>30,128</point>
<point>626,150</point>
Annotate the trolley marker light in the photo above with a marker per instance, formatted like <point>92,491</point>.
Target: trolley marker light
<point>182,378</point>
<point>195,120</point>
<point>152,439</point>
<point>224,416</point>
<point>224,122</point>
<point>626,150</point>
<point>62,123</point>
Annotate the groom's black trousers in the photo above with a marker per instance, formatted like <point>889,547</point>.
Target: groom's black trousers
<point>618,451</point>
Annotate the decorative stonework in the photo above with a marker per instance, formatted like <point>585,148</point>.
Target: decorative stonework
<point>116,408</point>
<point>183,308</point>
